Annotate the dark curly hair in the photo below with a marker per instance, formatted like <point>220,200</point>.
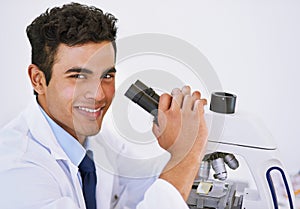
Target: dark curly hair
<point>71,24</point>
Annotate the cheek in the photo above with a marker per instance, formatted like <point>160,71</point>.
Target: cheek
<point>110,92</point>
<point>68,92</point>
<point>62,88</point>
<point>63,97</point>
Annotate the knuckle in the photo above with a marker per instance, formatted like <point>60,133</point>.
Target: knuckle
<point>165,95</point>
<point>176,91</point>
<point>186,87</point>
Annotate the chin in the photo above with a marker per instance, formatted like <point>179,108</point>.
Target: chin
<point>88,130</point>
<point>93,133</point>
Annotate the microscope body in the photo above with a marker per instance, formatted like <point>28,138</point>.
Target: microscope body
<point>246,136</point>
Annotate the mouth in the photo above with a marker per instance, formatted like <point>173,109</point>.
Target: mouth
<point>90,112</point>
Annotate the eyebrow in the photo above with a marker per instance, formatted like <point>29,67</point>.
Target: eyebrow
<point>110,70</point>
<point>79,70</point>
<point>87,71</point>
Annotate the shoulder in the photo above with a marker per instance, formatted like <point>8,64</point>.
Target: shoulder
<point>18,146</point>
<point>23,160</point>
<point>13,138</point>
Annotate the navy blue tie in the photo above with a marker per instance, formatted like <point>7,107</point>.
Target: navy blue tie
<point>88,175</point>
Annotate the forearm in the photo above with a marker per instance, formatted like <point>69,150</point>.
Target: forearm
<point>182,174</point>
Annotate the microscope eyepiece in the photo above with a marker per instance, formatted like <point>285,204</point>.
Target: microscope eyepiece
<point>144,96</point>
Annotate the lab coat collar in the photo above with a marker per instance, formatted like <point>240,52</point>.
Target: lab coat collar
<point>42,132</point>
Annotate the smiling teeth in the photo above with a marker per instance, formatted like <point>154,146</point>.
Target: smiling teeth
<point>89,110</point>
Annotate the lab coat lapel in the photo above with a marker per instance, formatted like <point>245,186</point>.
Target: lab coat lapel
<point>42,132</point>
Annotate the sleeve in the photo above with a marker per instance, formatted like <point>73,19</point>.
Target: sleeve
<point>162,195</point>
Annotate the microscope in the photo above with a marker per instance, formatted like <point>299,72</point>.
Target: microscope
<point>233,137</point>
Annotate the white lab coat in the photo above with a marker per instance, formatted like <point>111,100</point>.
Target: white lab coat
<point>35,173</point>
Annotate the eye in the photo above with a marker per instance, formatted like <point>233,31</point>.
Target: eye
<point>78,76</point>
<point>108,76</point>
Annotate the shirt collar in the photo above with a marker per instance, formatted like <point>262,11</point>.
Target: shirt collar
<point>74,150</point>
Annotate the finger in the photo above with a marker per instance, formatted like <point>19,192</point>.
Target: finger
<point>196,95</point>
<point>204,101</point>
<point>186,90</point>
<point>188,102</point>
<point>163,105</point>
<point>177,99</point>
<point>164,102</point>
<point>199,105</point>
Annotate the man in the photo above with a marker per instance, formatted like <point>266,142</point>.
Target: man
<point>73,76</point>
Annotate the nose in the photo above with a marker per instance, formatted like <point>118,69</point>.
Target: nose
<point>95,90</point>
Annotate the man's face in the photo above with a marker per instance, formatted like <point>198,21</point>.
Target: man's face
<point>81,88</point>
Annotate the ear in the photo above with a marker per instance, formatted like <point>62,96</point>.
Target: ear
<point>37,78</point>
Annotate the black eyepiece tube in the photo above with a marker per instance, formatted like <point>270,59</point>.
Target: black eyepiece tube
<point>144,96</point>
<point>147,90</point>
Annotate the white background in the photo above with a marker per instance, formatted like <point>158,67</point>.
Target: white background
<point>253,46</point>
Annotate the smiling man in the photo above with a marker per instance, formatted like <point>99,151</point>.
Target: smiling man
<point>44,161</point>
<point>81,87</point>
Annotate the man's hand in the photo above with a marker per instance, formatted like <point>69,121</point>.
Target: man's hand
<point>182,132</point>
